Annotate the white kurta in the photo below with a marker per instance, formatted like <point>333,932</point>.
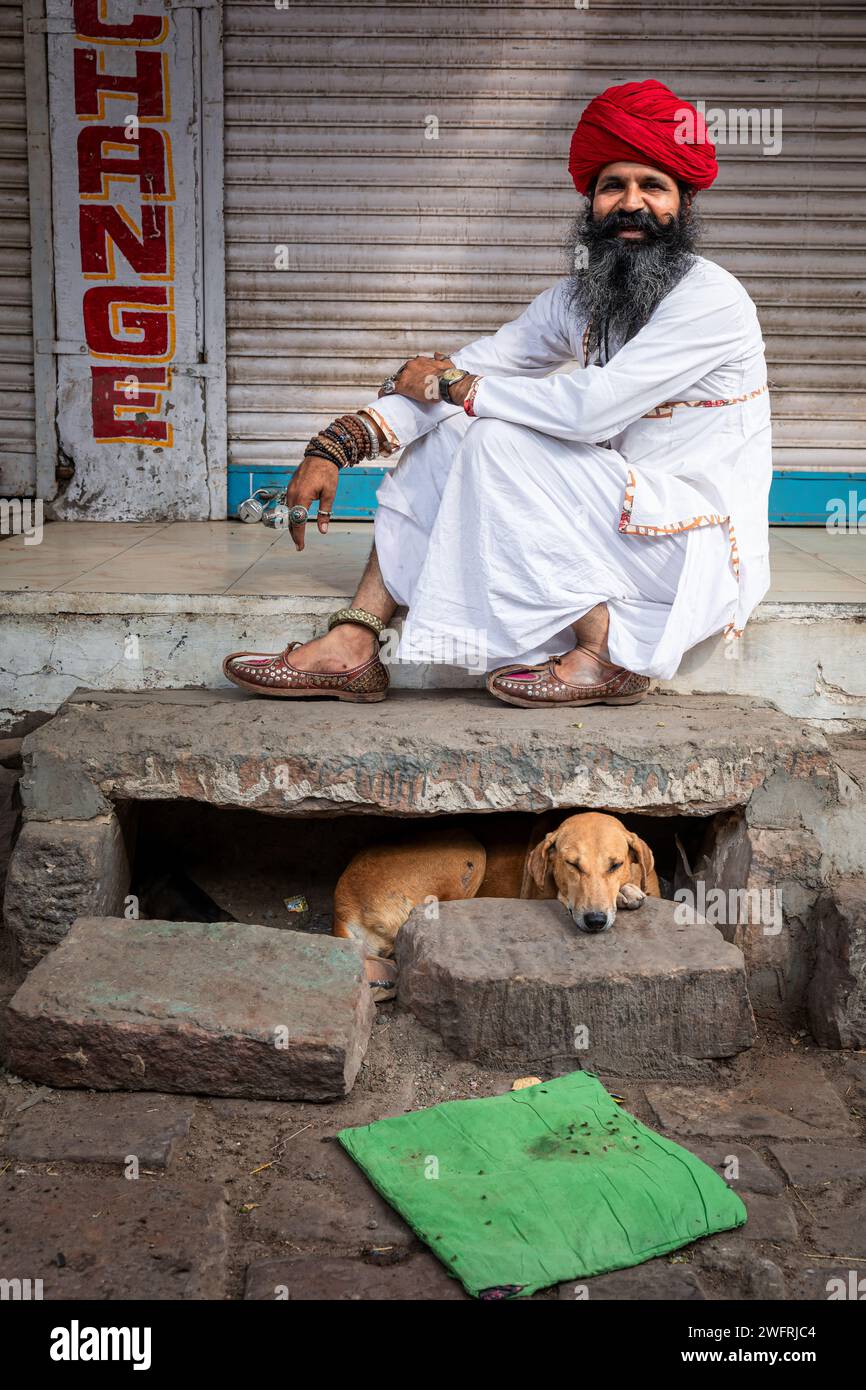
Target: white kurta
<point>642,483</point>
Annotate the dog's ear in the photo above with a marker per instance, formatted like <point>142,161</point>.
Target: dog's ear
<point>641,855</point>
<point>539,859</point>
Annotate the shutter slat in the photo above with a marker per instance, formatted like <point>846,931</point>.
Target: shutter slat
<point>396,243</point>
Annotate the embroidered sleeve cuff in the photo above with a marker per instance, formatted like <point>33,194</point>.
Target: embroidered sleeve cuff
<point>469,402</point>
<point>391,437</point>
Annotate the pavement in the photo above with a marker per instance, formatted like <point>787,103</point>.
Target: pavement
<point>142,1195</point>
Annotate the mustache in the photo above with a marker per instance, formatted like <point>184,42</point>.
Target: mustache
<point>641,220</point>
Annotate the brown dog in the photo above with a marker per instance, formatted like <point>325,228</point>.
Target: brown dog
<point>593,865</point>
<point>381,885</point>
<point>590,862</point>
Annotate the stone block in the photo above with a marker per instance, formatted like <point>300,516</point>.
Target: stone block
<point>837,991</point>
<point>10,815</point>
<point>513,982</point>
<point>61,870</point>
<point>56,786</point>
<point>217,1008</point>
<point>421,753</point>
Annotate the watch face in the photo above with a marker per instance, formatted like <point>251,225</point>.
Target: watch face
<point>451,375</point>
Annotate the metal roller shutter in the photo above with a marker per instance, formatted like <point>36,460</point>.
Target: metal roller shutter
<point>17,399</point>
<point>397,243</point>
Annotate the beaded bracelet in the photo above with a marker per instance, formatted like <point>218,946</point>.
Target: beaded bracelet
<point>343,440</point>
<point>324,448</point>
<point>346,441</point>
<point>358,433</point>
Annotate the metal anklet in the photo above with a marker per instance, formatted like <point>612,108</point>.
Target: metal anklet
<point>356,615</point>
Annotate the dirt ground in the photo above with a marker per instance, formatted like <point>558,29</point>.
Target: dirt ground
<point>292,1193</point>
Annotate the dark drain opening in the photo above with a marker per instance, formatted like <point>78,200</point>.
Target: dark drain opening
<point>198,863</point>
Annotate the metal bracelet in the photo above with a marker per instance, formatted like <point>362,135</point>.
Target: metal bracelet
<point>370,431</point>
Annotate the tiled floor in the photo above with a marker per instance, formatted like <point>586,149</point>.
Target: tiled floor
<point>810,565</point>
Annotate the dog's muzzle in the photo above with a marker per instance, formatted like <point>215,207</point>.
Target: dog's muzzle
<point>593,922</point>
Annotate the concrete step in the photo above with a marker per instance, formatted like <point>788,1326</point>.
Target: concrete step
<point>514,983</point>
<point>220,1009</point>
<point>137,608</point>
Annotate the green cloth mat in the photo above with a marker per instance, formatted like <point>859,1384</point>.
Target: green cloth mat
<point>551,1183</point>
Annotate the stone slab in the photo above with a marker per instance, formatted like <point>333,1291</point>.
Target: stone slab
<point>750,1274</point>
<point>419,753</point>
<point>841,1232</point>
<point>217,1008</point>
<point>753,1174</point>
<point>813,1165</point>
<point>326,1200</point>
<point>60,871</point>
<point>508,981</point>
<point>112,1238</point>
<point>770,1218</point>
<point>111,1129</point>
<point>325,1277</point>
<point>307,1214</point>
<point>802,1106</point>
<point>651,1282</point>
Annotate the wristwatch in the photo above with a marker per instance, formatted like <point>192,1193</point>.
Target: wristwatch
<point>447,379</point>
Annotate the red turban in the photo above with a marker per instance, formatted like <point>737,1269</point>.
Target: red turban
<point>643,122</point>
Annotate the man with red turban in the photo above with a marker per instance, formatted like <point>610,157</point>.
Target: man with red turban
<point>581,497</point>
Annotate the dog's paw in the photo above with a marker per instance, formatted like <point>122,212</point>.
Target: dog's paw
<point>630,896</point>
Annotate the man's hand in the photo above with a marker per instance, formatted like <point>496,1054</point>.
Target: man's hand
<point>315,480</point>
<point>419,379</point>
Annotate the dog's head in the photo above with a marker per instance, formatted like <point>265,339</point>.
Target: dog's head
<point>594,864</point>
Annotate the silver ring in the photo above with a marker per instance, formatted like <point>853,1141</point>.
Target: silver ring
<point>389,385</point>
<point>298,516</point>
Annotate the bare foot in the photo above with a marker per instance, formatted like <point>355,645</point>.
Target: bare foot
<point>581,667</point>
<point>341,649</point>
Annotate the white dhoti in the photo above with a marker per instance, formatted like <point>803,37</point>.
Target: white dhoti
<point>497,538</point>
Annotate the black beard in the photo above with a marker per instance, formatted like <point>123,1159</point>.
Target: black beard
<point>624,280</point>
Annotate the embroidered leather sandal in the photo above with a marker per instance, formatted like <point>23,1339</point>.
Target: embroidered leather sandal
<point>266,673</point>
<point>534,686</point>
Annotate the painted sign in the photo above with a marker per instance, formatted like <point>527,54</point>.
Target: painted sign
<point>126,170</point>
